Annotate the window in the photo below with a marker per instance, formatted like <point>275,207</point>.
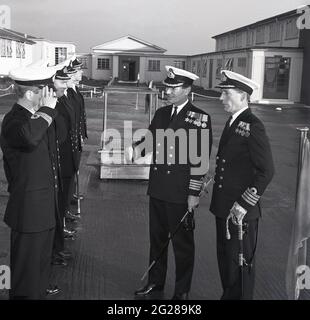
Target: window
<point>194,66</point>
<point>154,65</point>
<point>218,68</point>
<point>83,60</point>
<point>274,32</point>
<point>9,48</point>
<point>179,64</point>
<point>204,68</point>
<point>20,50</point>
<point>3,47</point>
<point>260,35</point>
<point>229,65</point>
<point>239,40</point>
<point>241,62</point>
<point>231,41</point>
<point>249,38</point>
<point>291,30</point>
<point>60,55</point>
<point>103,64</point>
<point>198,67</point>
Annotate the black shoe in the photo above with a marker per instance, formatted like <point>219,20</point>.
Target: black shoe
<point>52,290</point>
<point>59,261</point>
<point>72,217</point>
<point>69,232</point>
<point>180,296</point>
<point>75,196</point>
<point>65,254</point>
<point>148,289</point>
<point>69,237</point>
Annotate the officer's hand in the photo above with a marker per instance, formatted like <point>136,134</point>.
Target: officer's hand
<point>238,213</point>
<point>49,98</point>
<point>192,202</point>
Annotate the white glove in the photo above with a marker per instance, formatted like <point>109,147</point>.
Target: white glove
<point>237,213</point>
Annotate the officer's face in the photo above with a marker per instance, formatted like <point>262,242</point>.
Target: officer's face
<point>34,96</point>
<point>232,100</point>
<point>60,86</point>
<point>177,95</point>
<point>78,75</point>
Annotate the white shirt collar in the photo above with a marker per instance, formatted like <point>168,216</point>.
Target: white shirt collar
<point>74,88</point>
<point>235,115</point>
<point>180,107</point>
<point>66,92</point>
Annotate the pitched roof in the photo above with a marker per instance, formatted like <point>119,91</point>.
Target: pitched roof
<point>15,36</point>
<point>128,44</point>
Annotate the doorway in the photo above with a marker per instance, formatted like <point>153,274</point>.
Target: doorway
<point>277,76</point>
<point>128,68</point>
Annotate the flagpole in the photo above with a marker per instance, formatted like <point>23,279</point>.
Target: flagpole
<point>303,136</point>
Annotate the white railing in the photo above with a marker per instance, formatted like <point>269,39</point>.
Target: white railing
<point>193,94</point>
<point>91,91</point>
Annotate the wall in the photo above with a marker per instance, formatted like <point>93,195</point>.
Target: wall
<point>305,92</point>
<point>6,64</point>
<point>101,74</point>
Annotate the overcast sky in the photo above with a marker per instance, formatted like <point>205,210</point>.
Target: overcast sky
<point>181,27</point>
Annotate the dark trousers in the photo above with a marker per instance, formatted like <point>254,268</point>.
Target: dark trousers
<point>30,264</point>
<point>64,198</point>
<point>227,256</point>
<point>164,217</point>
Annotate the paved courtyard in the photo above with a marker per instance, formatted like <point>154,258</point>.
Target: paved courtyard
<point>111,249</point>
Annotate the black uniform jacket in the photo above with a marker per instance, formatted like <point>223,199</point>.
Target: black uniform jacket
<point>78,101</point>
<point>244,166</point>
<point>29,170</point>
<point>69,146</point>
<point>172,179</point>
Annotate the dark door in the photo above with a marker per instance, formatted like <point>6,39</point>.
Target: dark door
<point>132,71</point>
<point>277,75</point>
<point>125,71</point>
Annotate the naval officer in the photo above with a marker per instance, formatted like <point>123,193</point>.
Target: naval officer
<point>244,168</point>
<point>174,185</point>
<point>31,173</point>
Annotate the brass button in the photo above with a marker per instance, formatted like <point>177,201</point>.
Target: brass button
<point>221,177</point>
<point>222,169</point>
<point>168,172</point>
<point>169,163</point>
<point>155,168</point>
<point>223,160</point>
<point>220,186</point>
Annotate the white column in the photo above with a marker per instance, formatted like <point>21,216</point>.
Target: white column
<point>115,61</point>
<point>258,73</point>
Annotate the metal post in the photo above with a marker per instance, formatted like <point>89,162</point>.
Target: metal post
<point>156,102</point>
<point>105,117</point>
<point>91,94</point>
<point>192,96</point>
<point>137,100</point>
<point>302,138</point>
<point>150,109</point>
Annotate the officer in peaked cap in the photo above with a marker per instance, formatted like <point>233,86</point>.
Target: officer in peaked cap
<point>244,168</point>
<point>62,131</point>
<point>32,181</point>
<point>174,185</point>
<point>69,148</point>
<point>77,100</point>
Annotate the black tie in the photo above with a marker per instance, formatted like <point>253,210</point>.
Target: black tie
<point>175,113</point>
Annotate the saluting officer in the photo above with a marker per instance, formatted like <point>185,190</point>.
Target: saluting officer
<point>174,184</point>
<point>244,170</point>
<point>31,172</point>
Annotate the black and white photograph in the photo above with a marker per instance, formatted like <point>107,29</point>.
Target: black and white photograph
<point>154,151</point>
